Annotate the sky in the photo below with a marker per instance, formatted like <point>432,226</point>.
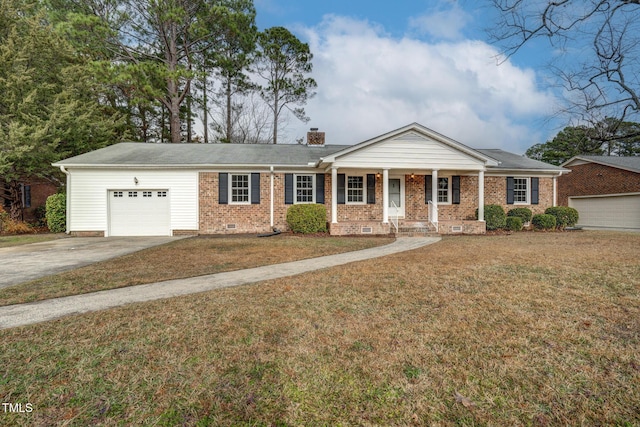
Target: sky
<point>381,65</point>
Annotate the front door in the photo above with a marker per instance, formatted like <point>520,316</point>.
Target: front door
<point>396,196</point>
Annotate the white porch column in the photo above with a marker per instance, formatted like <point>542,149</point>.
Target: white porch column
<point>555,191</point>
<point>334,195</point>
<point>481,196</point>
<point>385,196</point>
<point>434,194</point>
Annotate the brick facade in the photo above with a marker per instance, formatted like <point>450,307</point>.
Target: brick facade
<point>495,193</point>
<point>595,179</point>
<point>218,218</point>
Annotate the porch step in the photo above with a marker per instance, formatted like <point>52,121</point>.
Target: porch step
<point>416,231</point>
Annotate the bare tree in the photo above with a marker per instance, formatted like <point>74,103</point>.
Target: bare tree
<point>598,46</point>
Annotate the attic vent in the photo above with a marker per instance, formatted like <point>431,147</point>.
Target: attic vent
<point>231,226</point>
<point>315,138</point>
<point>456,229</point>
<point>366,230</point>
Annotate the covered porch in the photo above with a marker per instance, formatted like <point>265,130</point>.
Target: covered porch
<point>387,200</point>
<point>410,177</point>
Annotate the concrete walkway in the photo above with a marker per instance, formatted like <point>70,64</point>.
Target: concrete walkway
<point>25,314</point>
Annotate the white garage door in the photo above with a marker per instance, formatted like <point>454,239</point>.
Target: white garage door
<point>139,213</point>
<point>608,211</point>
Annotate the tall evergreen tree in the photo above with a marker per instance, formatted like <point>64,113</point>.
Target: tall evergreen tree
<point>48,108</point>
<point>283,62</point>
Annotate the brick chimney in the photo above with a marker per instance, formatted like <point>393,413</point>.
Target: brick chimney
<point>315,138</point>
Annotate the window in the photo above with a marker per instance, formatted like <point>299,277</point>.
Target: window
<point>133,194</point>
<point>146,194</point>
<point>443,190</point>
<point>304,188</point>
<point>162,194</point>
<point>355,189</point>
<point>117,194</point>
<point>520,192</point>
<point>239,189</point>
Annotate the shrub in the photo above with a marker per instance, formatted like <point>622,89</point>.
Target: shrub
<point>544,221</point>
<point>524,214</point>
<point>514,223</point>
<point>56,207</point>
<point>565,216</point>
<point>494,216</point>
<point>307,218</point>
<point>10,226</point>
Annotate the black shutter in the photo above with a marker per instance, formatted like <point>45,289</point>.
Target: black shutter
<point>428,196</point>
<point>288,188</point>
<point>371,189</point>
<point>223,188</point>
<point>320,188</point>
<point>255,188</point>
<point>341,189</point>
<point>510,187</point>
<point>535,191</point>
<point>455,186</point>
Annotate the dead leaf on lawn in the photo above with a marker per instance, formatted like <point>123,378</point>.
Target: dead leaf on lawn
<point>466,402</point>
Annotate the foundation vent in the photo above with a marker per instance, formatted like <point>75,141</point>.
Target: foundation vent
<point>231,226</point>
<point>366,230</point>
<point>456,229</point>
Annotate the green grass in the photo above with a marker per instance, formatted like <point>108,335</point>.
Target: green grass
<point>25,239</point>
<point>534,329</point>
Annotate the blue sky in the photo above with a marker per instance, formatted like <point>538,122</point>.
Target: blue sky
<point>381,65</point>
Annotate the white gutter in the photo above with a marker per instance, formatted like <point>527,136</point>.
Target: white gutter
<point>271,197</point>
<point>68,199</point>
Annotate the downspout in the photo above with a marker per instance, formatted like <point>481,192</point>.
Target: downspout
<point>271,197</point>
<point>68,199</point>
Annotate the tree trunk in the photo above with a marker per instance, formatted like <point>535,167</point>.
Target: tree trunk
<point>229,130</point>
<point>275,118</point>
<point>205,115</point>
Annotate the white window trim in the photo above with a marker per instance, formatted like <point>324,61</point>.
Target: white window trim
<point>527,191</point>
<point>230,192</point>
<point>448,202</point>
<point>295,188</point>
<point>364,190</point>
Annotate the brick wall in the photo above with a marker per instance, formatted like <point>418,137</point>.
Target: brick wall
<point>495,193</point>
<point>593,179</point>
<point>215,218</point>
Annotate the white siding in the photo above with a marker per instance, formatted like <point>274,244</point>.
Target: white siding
<point>409,151</point>
<point>89,188</point>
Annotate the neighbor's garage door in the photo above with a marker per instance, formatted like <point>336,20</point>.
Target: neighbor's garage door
<point>139,213</point>
<point>608,211</point>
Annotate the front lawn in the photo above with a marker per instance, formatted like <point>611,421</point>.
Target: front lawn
<point>534,329</point>
<point>184,258</point>
<point>25,239</point>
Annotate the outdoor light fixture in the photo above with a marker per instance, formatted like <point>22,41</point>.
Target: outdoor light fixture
<point>135,180</point>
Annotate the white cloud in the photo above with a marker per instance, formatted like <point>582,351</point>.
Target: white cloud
<point>370,83</point>
<point>441,24</point>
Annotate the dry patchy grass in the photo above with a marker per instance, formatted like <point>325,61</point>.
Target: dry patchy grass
<point>183,258</point>
<point>529,329</point>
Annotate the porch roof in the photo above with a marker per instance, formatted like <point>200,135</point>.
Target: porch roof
<point>410,147</point>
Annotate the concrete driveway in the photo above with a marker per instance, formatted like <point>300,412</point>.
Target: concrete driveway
<point>27,262</point>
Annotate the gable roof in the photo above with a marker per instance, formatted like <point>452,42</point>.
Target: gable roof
<point>627,163</point>
<point>509,161</point>
<point>420,130</point>
<point>131,154</point>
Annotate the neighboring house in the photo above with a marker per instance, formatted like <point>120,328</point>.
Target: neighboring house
<point>411,177</point>
<point>604,189</point>
<point>32,193</point>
